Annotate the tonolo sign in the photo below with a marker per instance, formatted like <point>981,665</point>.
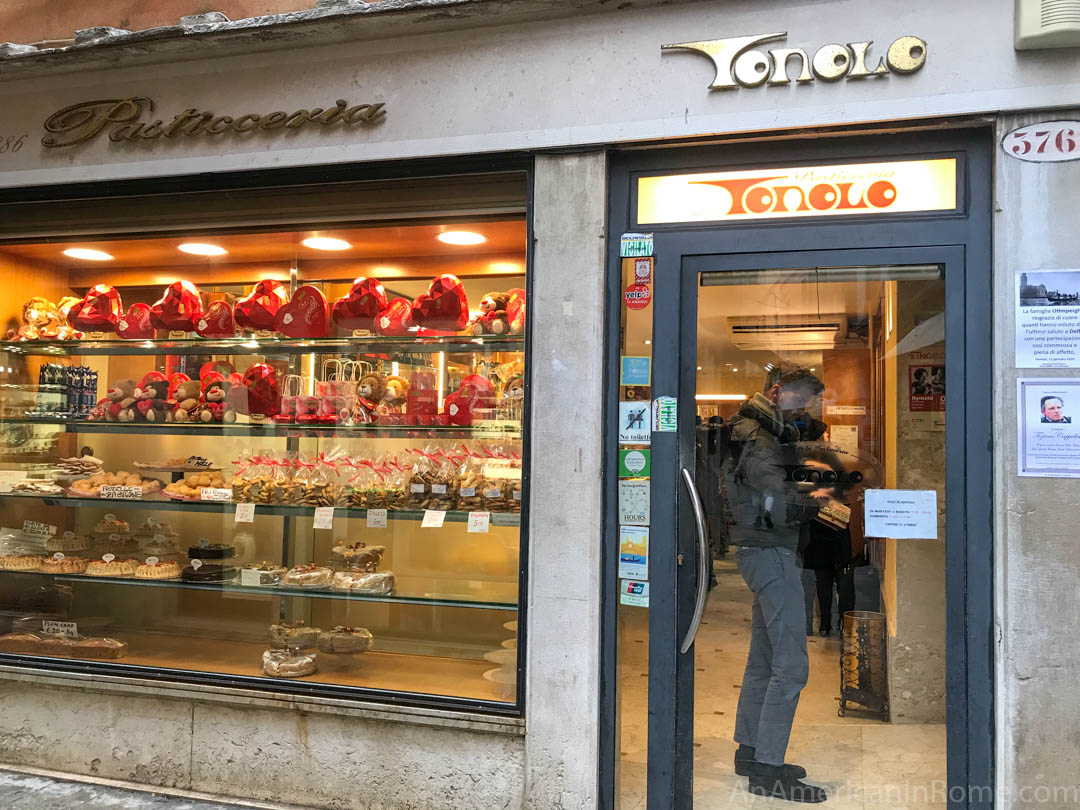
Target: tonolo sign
<point>740,62</point>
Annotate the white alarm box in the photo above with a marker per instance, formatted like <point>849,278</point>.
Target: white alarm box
<point>1047,24</point>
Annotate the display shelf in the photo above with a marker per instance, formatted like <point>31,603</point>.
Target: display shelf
<point>233,587</point>
<point>172,505</point>
<point>275,344</point>
<point>273,429</point>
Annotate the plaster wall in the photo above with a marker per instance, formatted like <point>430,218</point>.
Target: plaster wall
<point>1036,558</point>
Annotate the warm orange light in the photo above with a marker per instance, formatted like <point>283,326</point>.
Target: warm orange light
<point>806,191</point>
<point>88,254</point>
<point>461,238</point>
<point>720,397</point>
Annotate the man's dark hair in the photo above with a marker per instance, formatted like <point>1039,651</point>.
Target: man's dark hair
<point>791,376</point>
<point>920,373</point>
<point>1042,402</point>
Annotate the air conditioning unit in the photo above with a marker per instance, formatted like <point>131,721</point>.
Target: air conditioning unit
<point>790,332</point>
<point>1047,24</point>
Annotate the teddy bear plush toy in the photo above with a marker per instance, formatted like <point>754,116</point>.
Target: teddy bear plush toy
<point>395,392</point>
<point>369,392</point>
<point>187,401</point>
<point>493,319</point>
<point>121,396</point>
<point>215,392</point>
<point>150,398</point>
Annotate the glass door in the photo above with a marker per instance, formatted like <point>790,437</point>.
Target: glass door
<point>801,594</point>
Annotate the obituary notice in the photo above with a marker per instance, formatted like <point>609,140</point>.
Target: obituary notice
<point>1048,427</point>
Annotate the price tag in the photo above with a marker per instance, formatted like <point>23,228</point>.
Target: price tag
<point>249,577</point>
<point>433,519</point>
<point>203,462</point>
<point>479,522</point>
<point>8,478</point>
<point>376,518</point>
<point>37,529</point>
<point>324,517</point>
<point>58,556</point>
<point>492,493</point>
<point>468,492</point>
<point>55,628</point>
<point>204,542</point>
<point>418,489</point>
<point>108,557</point>
<point>438,489</point>
<point>215,494</point>
<point>245,513</point>
<point>196,565</point>
<point>152,560</point>
<point>517,494</point>
<point>122,493</point>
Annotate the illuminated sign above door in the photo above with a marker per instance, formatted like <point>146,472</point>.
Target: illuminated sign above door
<point>807,191</point>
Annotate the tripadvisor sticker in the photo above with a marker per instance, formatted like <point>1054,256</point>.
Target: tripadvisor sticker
<point>634,463</point>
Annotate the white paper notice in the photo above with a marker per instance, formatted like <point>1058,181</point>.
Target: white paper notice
<point>1048,319</point>
<point>433,519</point>
<point>324,517</point>
<point>479,522</point>
<point>634,423</point>
<point>634,503</point>
<point>1048,427</point>
<point>902,514</point>
<point>846,436</point>
<point>376,518</point>
<point>245,513</point>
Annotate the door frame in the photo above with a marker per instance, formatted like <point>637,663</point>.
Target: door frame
<point>963,236</point>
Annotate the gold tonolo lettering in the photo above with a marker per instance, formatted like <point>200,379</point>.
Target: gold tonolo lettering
<point>759,195</point>
<point>123,120</point>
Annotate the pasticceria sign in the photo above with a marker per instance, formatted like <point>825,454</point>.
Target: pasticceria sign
<point>738,62</point>
<point>125,119</point>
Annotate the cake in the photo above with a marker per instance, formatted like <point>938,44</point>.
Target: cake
<point>112,568</point>
<point>283,664</point>
<point>55,645</point>
<point>158,570</point>
<point>119,545</point>
<point>308,576</point>
<point>151,527</point>
<point>293,635</point>
<point>68,541</point>
<point>358,555</point>
<point>19,642</point>
<point>110,525</point>
<point>42,644</point>
<point>99,648</point>
<point>210,572</point>
<point>160,546</point>
<point>346,640</point>
<point>20,562</point>
<point>364,582</point>
<point>211,551</point>
<point>66,565</point>
<point>265,573</point>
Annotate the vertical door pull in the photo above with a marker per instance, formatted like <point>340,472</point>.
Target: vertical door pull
<point>702,562</point>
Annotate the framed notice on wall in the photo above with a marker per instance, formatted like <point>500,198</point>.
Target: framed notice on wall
<point>1048,428</point>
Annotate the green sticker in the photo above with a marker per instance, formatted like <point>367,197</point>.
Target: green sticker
<point>634,463</point>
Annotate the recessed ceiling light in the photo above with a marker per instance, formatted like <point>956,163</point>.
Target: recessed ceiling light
<point>461,238</point>
<point>88,254</point>
<point>505,267</point>
<point>325,243</point>
<point>202,249</point>
<point>648,342</point>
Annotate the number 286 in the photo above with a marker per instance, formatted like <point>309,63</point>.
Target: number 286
<point>11,143</point>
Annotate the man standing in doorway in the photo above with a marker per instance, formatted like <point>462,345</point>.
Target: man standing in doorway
<point>765,533</point>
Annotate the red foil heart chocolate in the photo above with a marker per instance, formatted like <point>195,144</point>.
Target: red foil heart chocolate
<point>135,325</point>
<point>307,315</point>
<point>394,320</point>
<point>179,308</point>
<point>99,311</point>
<point>258,309</point>
<point>515,310</point>
<point>444,306</point>
<point>359,309</point>
<point>263,392</point>
<point>217,321</point>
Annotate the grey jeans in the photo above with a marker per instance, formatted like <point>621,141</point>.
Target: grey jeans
<point>777,666</point>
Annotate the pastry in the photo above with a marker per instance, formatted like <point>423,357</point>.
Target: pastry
<point>211,551</point>
<point>151,528</point>
<point>20,642</point>
<point>346,640</point>
<point>283,664</point>
<point>192,484</point>
<point>55,645</point>
<point>210,572</point>
<point>112,568</point>
<point>68,541</point>
<point>265,573</point>
<point>158,570</point>
<point>110,525</point>
<point>92,486</point>
<point>308,576</point>
<point>79,465</point>
<point>66,565</point>
<point>38,487</point>
<point>99,648</point>
<point>293,635</point>
<point>358,555</point>
<point>160,546</point>
<point>364,582</point>
<point>20,562</point>
<point>119,545</point>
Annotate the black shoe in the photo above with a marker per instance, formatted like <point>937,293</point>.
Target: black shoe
<point>774,781</point>
<point>768,520</point>
<point>745,764</point>
<point>825,632</point>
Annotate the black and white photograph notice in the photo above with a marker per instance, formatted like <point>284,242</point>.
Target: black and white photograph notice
<point>1048,319</point>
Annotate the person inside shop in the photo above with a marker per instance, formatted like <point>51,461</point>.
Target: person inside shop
<point>1052,411</point>
<point>768,514</point>
<point>825,555</point>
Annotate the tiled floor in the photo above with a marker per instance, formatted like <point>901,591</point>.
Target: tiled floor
<point>865,764</point>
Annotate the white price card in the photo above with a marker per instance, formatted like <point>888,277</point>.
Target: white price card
<point>33,527</point>
<point>58,556</point>
<point>376,518</point>
<point>249,577</point>
<point>121,493</point>
<point>479,522</point>
<point>152,560</point>
<point>55,628</point>
<point>196,565</point>
<point>245,513</point>
<point>324,517</point>
<point>108,557</point>
<point>215,494</point>
<point>433,519</point>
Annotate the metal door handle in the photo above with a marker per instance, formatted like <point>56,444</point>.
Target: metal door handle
<point>702,560</point>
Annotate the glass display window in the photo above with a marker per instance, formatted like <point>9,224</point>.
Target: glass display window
<point>274,454</point>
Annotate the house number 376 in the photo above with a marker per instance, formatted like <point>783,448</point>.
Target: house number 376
<point>11,143</point>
